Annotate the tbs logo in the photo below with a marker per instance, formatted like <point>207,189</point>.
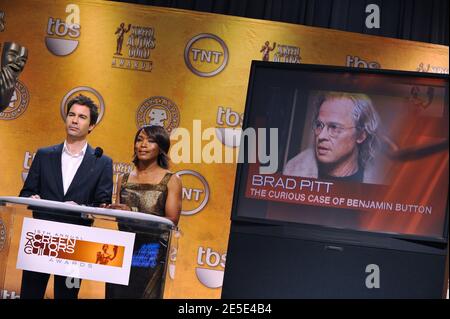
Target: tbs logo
<point>5,294</point>
<point>61,35</point>
<point>229,126</point>
<point>211,278</point>
<point>357,62</point>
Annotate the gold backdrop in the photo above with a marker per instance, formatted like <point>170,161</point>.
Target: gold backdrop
<point>174,67</point>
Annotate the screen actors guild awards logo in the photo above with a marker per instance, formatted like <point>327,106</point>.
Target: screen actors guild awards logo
<point>89,92</point>
<point>41,244</point>
<point>140,42</point>
<point>2,21</point>
<point>422,67</point>
<point>104,256</point>
<point>287,54</point>
<point>2,235</point>
<point>266,50</point>
<point>13,59</point>
<point>18,103</point>
<point>159,111</point>
<point>283,53</point>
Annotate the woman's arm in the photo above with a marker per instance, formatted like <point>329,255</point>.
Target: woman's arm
<point>117,204</point>
<point>173,202</point>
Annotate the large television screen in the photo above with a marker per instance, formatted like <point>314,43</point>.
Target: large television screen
<point>346,148</point>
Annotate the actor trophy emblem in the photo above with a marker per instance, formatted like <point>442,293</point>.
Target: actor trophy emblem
<point>120,35</point>
<point>14,57</point>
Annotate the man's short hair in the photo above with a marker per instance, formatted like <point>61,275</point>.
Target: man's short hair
<point>365,118</point>
<point>84,100</point>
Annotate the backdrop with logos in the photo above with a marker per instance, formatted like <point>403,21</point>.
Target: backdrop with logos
<point>150,65</point>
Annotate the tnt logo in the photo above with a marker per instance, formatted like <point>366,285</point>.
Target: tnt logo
<point>195,192</point>
<point>206,55</point>
<point>211,278</point>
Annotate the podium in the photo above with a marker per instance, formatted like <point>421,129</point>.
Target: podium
<point>109,250</point>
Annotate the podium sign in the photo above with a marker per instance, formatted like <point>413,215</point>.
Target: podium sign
<point>57,241</point>
<point>75,251</point>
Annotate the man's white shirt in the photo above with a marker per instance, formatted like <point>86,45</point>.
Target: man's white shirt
<point>70,164</point>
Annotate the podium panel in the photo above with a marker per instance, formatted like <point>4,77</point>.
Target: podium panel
<point>261,266</point>
<point>106,253</point>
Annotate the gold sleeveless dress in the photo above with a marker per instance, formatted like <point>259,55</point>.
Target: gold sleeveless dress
<point>145,198</point>
<point>150,247</point>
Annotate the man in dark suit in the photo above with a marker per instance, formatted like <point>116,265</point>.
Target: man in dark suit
<point>70,172</point>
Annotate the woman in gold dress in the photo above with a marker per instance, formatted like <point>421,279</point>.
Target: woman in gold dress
<point>152,189</point>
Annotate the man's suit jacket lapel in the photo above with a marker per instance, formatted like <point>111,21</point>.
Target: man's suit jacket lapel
<point>56,168</point>
<point>83,171</point>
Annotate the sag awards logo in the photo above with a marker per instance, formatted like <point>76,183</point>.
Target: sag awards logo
<point>74,248</point>
<point>229,126</point>
<point>18,104</point>
<point>61,39</point>
<point>136,55</point>
<point>89,92</point>
<point>43,244</point>
<point>2,235</point>
<point>195,192</point>
<point>159,111</point>
<point>423,67</point>
<point>206,55</point>
<point>118,170</point>
<point>282,53</point>
<point>207,259</point>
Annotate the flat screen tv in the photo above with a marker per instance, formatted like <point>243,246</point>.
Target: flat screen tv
<point>345,148</point>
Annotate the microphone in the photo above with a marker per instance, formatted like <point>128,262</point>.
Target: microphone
<point>98,152</point>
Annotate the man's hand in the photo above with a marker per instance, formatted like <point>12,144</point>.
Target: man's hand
<point>71,202</point>
<point>35,196</point>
